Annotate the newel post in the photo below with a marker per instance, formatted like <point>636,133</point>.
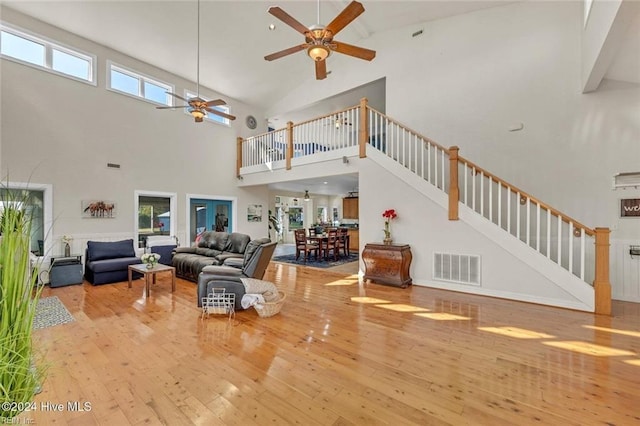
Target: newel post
<point>238,156</point>
<point>289,154</point>
<point>601,284</point>
<point>363,134</point>
<point>454,191</point>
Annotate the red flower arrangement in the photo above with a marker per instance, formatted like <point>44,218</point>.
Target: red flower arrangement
<point>388,216</point>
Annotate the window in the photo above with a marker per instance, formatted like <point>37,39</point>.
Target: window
<point>35,199</point>
<point>156,214</point>
<point>28,49</point>
<point>132,83</point>
<point>211,117</point>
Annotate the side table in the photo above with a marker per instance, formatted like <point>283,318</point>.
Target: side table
<point>387,264</point>
<point>65,270</point>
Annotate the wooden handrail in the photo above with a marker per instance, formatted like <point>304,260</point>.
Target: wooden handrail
<point>565,218</point>
<point>325,116</point>
<point>431,142</point>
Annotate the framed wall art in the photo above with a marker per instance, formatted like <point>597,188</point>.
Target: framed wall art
<point>630,207</point>
<point>98,209</point>
<point>254,213</point>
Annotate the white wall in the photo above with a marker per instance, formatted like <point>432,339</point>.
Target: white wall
<point>466,79</point>
<point>423,224</point>
<point>59,131</point>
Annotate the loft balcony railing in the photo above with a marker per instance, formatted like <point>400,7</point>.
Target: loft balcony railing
<point>581,250</point>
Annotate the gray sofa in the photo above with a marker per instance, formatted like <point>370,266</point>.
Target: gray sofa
<point>229,276</point>
<point>212,248</point>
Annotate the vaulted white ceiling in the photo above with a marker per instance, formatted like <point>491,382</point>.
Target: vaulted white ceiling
<point>234,35</point>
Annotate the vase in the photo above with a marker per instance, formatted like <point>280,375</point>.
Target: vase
<point>388,240</point>
<point>150,265</point>
<point>67,249</point>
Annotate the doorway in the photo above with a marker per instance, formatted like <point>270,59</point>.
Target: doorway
<point>210,214</point>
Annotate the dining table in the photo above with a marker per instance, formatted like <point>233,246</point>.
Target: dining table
<point>323,243</point>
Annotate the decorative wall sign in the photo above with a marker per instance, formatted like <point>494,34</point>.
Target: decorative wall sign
<point>98,209</point>
<point>254,213</point>
<point>630,207</point>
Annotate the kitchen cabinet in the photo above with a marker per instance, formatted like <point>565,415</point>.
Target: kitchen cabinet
<point>350,208</point>
<point>354,239</point>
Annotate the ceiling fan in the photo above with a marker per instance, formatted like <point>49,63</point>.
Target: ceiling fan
<point>319,42</point>
<point>197,106</point>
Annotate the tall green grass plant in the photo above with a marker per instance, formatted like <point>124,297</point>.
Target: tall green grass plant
<point>20,379</point>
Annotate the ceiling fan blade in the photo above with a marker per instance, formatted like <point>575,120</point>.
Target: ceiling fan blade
<point>177,96</point>
<point>220,113</point>
<point>321,70</point>
<point>215,102</point>
<point>285,52</point>
<point>172,107</point>
<point>358,52</point>
<point>351,12</point>
<point>288,19</point>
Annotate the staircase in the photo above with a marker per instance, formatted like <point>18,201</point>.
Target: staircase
<point>563,249</point>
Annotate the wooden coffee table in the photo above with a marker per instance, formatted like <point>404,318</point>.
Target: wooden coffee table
<point>150,274</point>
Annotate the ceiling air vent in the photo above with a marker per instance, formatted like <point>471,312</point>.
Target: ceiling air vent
<point>457,268</point>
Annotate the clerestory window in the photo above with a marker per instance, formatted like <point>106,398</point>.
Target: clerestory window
<point>38,52</point>
<point>133,83</point>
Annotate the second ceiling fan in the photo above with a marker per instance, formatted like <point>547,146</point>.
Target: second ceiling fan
<point>319,41</point>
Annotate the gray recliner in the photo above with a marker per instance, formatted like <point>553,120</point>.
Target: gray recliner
<point>257,257</point>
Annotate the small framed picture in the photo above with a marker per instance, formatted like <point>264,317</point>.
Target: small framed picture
<point>277,200</point>
<point>254,213</point>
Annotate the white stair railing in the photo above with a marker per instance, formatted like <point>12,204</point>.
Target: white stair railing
<point>417,153</point>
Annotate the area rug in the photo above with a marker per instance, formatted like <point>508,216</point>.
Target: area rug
<point>291,258</point>
<point>49,312</point>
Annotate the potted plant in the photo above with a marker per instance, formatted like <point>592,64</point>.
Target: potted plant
<point>19,378</point>
<point>273,225</point>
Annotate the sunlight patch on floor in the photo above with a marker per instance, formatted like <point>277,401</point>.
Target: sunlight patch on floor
<point>350,280</point>
<point>365,299</point>
<point>399,307</point>
<point>614,330</point>
<point>519,333</point>
<point>589,348</point>
<point>442,316</point>
<point>635,362</point>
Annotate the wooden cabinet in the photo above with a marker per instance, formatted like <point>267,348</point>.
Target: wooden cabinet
<point>350,208</point>
<point>387,264</point>
<point>354,239</point>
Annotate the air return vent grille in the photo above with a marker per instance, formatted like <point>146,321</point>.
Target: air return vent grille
<point>457,268</point>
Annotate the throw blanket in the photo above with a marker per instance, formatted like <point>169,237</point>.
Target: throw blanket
<point>249,300</point>
<point>266,288</point>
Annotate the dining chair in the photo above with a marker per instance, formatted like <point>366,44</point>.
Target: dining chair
<point>303,245</point>
<point>332,243</point>
<point>343,240</point>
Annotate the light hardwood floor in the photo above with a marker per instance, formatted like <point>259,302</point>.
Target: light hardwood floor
<point>339,353</point>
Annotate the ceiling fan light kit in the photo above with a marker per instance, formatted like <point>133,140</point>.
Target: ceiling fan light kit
<point>319,42</point>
